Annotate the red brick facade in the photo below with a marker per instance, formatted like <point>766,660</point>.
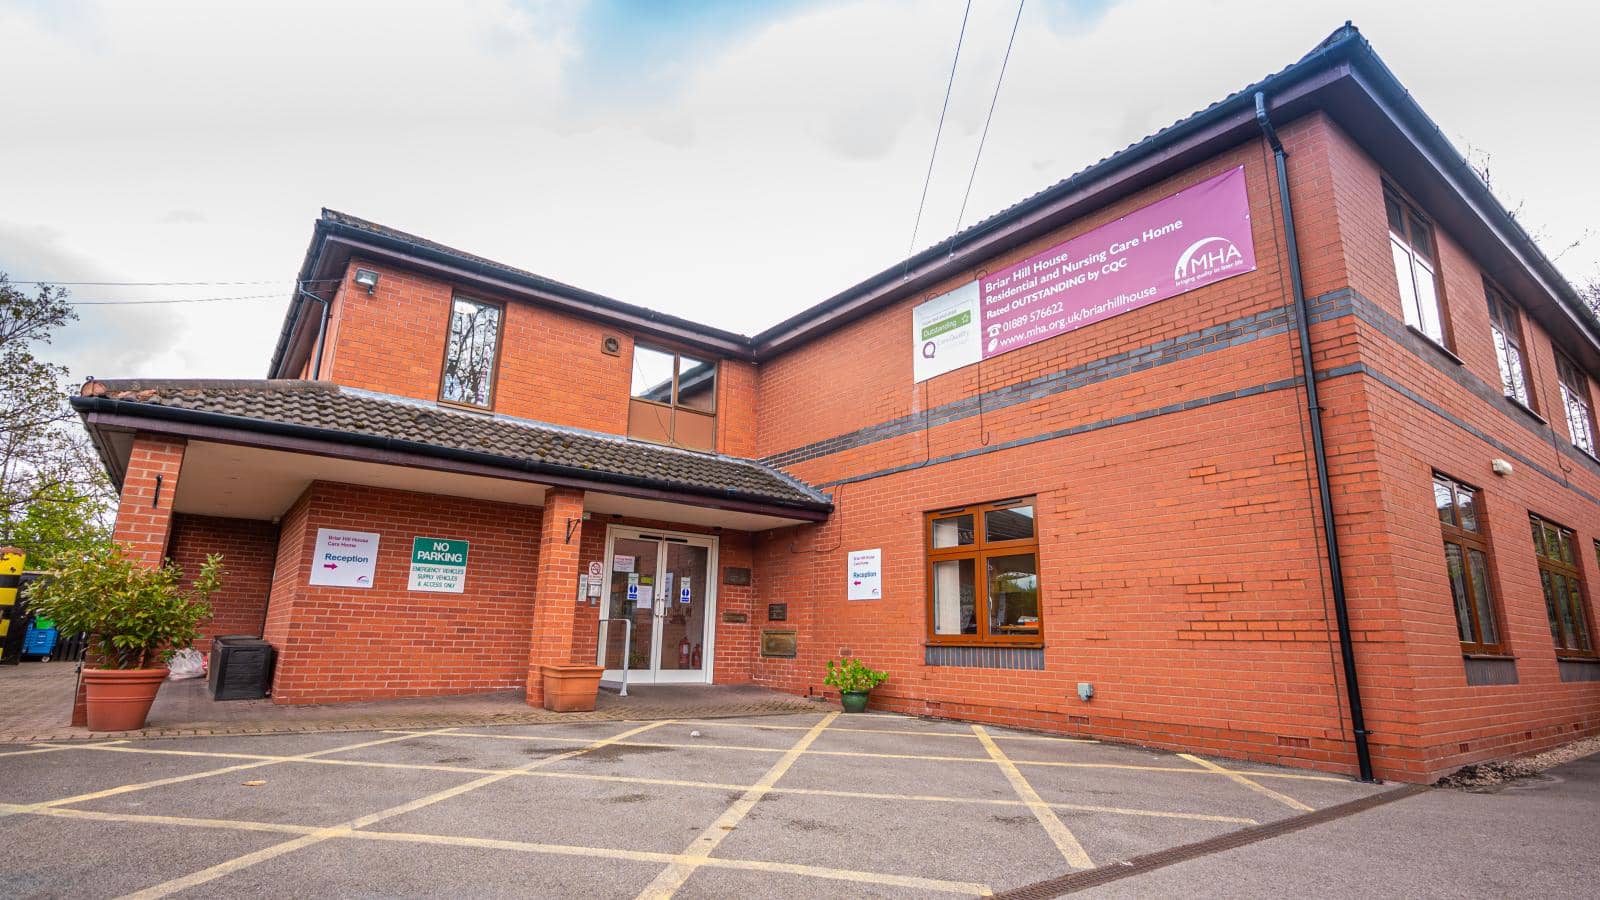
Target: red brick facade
<point>249,549</point>
<point>1181,566</point>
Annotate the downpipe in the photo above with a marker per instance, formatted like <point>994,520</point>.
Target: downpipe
<point>1319,451</point>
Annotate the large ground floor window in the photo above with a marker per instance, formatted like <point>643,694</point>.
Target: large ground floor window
<point>983,574</point>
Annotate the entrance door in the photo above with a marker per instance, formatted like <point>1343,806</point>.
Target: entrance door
<point>661,581</point>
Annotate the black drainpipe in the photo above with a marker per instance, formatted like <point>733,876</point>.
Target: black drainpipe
<point>1330,533</point>
<point>322,331</point>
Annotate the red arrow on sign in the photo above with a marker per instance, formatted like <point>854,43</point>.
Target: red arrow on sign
<point>330,565</point>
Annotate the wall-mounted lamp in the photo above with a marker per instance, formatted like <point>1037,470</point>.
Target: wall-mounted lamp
<point>367,279</point>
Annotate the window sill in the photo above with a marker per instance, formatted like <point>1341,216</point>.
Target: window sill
<point>1501,656</point>
<point>1011,645</point>
<point>1527,409</point>
<point>1578,659</point>
<point>466,407</point>
<point>1435,344</point>
<point>1591,456</point>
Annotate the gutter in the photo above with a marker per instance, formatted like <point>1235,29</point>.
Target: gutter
<point>1330,532</point>
<point>815,510</point>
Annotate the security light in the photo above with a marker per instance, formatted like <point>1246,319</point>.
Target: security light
<point>367,279</point>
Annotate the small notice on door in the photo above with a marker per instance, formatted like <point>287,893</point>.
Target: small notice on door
<point>620,563</point>
<point>344,558</point>
<point>865,575</point>
<point>438,565</point>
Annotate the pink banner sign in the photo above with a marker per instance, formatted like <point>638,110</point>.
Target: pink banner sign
<point>1196,237</point>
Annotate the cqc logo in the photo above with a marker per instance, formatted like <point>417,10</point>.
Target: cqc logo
<point>1205,259</point>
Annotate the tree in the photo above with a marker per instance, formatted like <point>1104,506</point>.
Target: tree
<point>53,492</point>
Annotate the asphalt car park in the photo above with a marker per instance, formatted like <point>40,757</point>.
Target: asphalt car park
<point>802,805</point>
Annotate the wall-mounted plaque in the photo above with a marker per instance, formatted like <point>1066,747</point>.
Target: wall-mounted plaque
<point>735,575</point>
<point>777,612</point>
<point>780,644</point>
<point>735,617</point>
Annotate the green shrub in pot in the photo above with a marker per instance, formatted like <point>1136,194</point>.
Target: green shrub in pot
<point>855,680</point>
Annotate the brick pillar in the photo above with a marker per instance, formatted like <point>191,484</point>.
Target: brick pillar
<point>144,513</point>
<point>556,591</point>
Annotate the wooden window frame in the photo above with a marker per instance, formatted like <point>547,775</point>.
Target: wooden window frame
<point>674,406</point>
<point>1554,565</point>
<point>1505,321</point>
<point>1565,369</point>
<point>1430,256</point>
<point>1467,539</point>
<point>494,366</point>
<point>979,552</point>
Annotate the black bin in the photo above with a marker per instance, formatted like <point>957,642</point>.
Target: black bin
<point>241,667</point>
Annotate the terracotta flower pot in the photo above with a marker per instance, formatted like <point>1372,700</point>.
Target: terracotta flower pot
<point>119,699</point>
<point>571,688</point>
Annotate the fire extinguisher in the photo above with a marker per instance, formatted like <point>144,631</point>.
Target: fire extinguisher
<point>696,663</point>
<point>683,654</point>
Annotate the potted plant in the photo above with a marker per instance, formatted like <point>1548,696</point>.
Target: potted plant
<point>571,688</point>
<point>854,681</point>
<point>136,617</point>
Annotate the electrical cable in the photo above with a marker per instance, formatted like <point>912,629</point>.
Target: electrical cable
<point>282,281</point>
<point>949,87</point>
<point>993,102</point>
<point>172,300</point>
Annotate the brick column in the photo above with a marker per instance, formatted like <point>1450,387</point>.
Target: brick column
<point>556,591</point>
<point>144,512</point>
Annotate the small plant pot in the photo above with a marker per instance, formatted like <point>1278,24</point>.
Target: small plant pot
<point>119,699</point>
<point>853,701</point>
<point>571,688</point>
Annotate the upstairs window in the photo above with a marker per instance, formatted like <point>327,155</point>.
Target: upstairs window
<point>1466,557</point>
<point>471,350</point>
<point>983,574</point>
<point>1411,242</point>
<point>1564,602</point>
<point>674,398</point>
<point>1575,400</point>
<point>1505,327</point>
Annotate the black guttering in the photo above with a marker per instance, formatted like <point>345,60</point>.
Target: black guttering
<point>1319,450</point>
<point>86,406</point>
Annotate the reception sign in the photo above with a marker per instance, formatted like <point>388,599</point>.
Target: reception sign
<point>1193,238</point>
<point>344,558</point>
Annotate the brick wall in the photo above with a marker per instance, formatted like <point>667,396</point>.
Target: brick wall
<point>354,644</point>
<point>249,549</point>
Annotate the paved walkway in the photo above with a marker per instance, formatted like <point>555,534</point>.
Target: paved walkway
<point>806,805</point>
<point>38,704</point>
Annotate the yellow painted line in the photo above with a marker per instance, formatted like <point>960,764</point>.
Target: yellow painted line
<point>713,723</point>
<point>345,829</point>
<point>178,779</point>
<point>143,819</point>
<point>1176,770</point>
<point>54,748</point>
<point>1254,786</point>
<point>989,801</point>
<point>1060,835</point>
<point>672,878</point>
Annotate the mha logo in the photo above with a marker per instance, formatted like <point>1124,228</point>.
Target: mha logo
<point>1206,259</point>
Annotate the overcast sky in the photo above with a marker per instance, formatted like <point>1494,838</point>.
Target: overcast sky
<point>725,161</point>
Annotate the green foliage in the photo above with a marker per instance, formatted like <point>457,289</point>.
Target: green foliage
<point>135,615</point>
<point>853,676</point>
<point>61,523</point>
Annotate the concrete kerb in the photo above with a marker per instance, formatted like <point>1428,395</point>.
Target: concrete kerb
<point>376,723</point>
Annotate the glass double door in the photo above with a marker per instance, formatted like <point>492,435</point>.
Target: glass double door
<point>661,582</point>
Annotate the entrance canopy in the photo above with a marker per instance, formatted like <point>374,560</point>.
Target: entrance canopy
<point>254,447</point>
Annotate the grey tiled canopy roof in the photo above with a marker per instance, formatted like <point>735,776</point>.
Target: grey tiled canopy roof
<point>422,426</point>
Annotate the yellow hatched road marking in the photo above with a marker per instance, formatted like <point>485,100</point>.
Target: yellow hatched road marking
<point>346,829</point>
<point>714,723</point>
<point>178,779</point>
<point>1258,788</point>
<point>1071,850</point>
<point>672,878</point>
<point>52,748</point>
<point>988,801</point>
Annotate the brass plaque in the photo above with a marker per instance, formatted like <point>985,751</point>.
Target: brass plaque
<point>780,644</point>
<point>735,575</point>
<point>735,617</point>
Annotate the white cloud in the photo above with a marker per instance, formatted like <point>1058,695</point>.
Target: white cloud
<point>752,175</point>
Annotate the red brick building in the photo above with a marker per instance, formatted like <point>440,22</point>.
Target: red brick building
<point>1128,515</point>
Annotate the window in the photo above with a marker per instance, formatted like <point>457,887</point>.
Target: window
<point>1575,400</point>
<point>1411,241</point>
<point>983,574</point>
<point>1466,556</point>
<point>470,353</point>
<point>1563,587</point>
<point>1505,326</point>
<point>674,398</point>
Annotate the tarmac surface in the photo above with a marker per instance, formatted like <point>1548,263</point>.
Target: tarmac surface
<point>810,804</point>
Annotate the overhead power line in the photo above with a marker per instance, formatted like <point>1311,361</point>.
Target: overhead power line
<point>961,36</point>
<point>993,101</point>
<point>172,300</point>
<point>287,282</point>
